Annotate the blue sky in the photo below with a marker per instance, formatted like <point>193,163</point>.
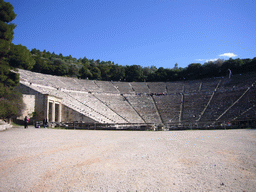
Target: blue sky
<point>141,32</point>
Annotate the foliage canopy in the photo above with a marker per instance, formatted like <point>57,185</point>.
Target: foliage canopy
<point>51,63</point>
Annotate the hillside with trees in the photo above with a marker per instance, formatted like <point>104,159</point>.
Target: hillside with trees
<point>57,64</point>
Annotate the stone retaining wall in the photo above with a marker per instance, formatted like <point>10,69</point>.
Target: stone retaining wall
<point>4,126</point>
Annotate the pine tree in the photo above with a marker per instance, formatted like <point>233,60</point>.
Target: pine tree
<point>6,36</point>
<point>11,102</point>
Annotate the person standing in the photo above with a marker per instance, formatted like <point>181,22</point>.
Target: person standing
<point>45,122</point>
<point>26,122</point>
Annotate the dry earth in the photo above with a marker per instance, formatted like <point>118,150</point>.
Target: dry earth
<point>81,160</point>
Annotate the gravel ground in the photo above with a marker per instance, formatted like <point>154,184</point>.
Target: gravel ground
<point>81,160</point>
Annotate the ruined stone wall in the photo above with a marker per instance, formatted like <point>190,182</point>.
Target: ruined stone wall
<point>38,101</point>
<point>29,101</point>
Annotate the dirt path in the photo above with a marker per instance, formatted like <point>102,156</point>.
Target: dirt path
<point>79,160</point>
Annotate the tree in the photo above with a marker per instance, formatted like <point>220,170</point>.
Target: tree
<point>60,67</point>
<point>10,99</point>
<point>11,104</point>
<point>193,71</point>
<point>238,64</point>
<point>35,52</point>
<point>249,65</point>
<point>170,75</point>
<point>153,69</point>
<point>105,69</point>
<point>161,74</point>
<point>73,71</point>
<point>61,56</point>
<point>39,65</point>
<point>210,69</point>
<point>134,73</point>
<point>117,72</point>
<point>7,78</point>
<point>229,64</point>
<point>85,61</point>
<point>85,73</point>
<point>46,54</point>
<point>6,28</point>
<point>20,57</point>
<point>96,74</point>
<point>146,71</point>
<point>176,66</point>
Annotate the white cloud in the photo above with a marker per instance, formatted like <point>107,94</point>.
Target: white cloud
<point>212,60</point>
<point>227,55</point>
<point>215,59</point>
<point>207,60</point>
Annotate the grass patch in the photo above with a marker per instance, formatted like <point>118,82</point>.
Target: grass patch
<point>17,124</point>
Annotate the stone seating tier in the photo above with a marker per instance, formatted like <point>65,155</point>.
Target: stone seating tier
<point>247,101</point>
<point>192,86</point>
<point>248,115</point>
<point>209,85</point>
<point>168,107</point>
<point>194,104</point>
<point>120,105</point>
<point>92,101</point>
<point>106,87</point>
<point>140,87</point>
<point>237,82</point>
<point>174,87</point>
<point>123,87</point>
<point>219,104</point>
<point>144,105</point>
<point>157,87</point>
<point>106,105</point>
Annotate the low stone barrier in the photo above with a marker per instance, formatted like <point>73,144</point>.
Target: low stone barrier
<point>4,126</point>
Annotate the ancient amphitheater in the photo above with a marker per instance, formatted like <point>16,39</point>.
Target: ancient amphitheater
<point>207,103</point>
<point>88,160</point>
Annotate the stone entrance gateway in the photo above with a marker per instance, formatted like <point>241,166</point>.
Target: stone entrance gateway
<point>53,108</point>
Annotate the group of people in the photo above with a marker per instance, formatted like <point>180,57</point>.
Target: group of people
<point>26,121</point>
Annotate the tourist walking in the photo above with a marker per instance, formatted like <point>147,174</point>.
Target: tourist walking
<point>26,120</point>
<point>45,122</point>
